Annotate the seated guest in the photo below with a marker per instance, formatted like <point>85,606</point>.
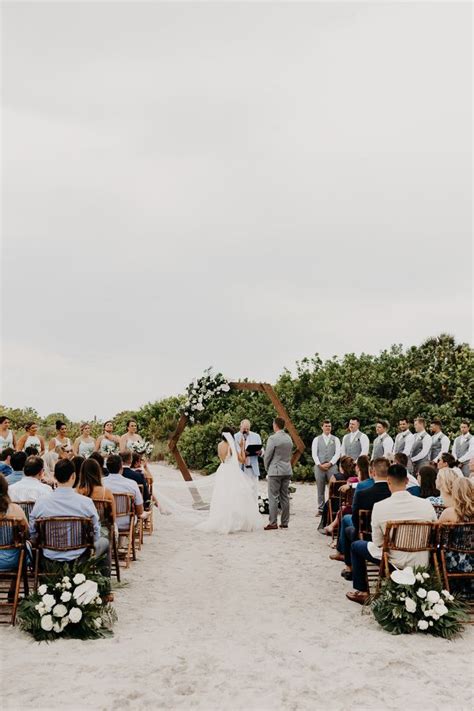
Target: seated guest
<point>401,458</point>
<point>400,506</point>
<point>9,558</point>
<point>101,462</point>
<point>444,483</point>
<point>427,481</point>
<point>65,501</point>
<point>134,475</point>
<point>31,487</point>
<point>346,472</point>
<point>17,461</point>
<point>118,484</point>
<point>5,461</point>
<point>365,500</point>
<point>364,481</point>
<point>460,509</point>
<point>91,485</point>
<point>78,461</point>
<point>447,461</point>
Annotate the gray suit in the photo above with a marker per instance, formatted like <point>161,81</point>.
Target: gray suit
<point>277,462</point>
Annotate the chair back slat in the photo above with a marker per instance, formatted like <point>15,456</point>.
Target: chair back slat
<point>27,507</point>
<point>457,537</point>
<point>439,508</point>
<point>65,533</point>
<point>12,534</point>
<point>365,527</point>
<point>410,536</point>
<point>123,504</point>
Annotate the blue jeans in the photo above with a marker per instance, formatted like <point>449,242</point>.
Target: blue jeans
<point>360,556</point>
<point>341,541</point>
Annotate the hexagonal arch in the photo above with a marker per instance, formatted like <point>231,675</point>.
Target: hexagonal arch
<point>256,387</point>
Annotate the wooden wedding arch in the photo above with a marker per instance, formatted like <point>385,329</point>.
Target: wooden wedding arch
<point>256,387</point>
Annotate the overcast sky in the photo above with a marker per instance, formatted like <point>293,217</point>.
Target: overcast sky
<point>237,185</point>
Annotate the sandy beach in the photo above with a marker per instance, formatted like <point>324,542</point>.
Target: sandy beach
<point>254,622</point>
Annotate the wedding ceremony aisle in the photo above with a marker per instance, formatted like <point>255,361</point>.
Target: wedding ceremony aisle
<point>250,621</point>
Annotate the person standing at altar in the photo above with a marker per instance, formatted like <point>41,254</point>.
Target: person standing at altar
<point>250,467</point>
<point>439,441</point>
<point>383,444</point>
<point>326,450</point>
<point>420,452</point>
<point>7,437</point>
<point>355,442</point>
<point>463,447</point>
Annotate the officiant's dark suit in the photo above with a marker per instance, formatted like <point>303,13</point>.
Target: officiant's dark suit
<point>365,499</point>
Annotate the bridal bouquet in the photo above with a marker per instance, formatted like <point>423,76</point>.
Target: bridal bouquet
<point>71,607</point>
<point>110,448</point>
<point>201,390</point>
<point>414,601</point>
<point>144,447</point>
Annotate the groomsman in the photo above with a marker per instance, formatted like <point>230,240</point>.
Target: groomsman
<point>463,447</point>
<point>383,443</point>
<point>356,442</point>
<point>326,450</point>
<point>404,439</point>
<point>420,452</point>
<point>250,467</point>
<point>439,441</point>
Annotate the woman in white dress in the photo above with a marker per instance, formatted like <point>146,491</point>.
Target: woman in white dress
<point>61,441</point>
<point>7,438</point>
<point>85,444</point>
<point>107,443</point>
<point>233,506</point>
<point>31,439</point>
<point>130,436</point>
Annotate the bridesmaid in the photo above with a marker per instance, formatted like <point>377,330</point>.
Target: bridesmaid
<point>61,440</point>
<point>107,440</point>
<point>31,439</point>
<point>84,445</point>
<point>7,438</point>
<point>130,436</point>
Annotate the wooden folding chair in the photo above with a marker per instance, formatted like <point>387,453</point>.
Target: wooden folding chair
<point>333,496</point>
<point>61,534</point>
<point>27,507</point>
<point>409,537</point>
<point>345,499</point>
<point>365,534</point>
<point>125,506</point>
<point>439,508</point>
<point>457,540</point>
<point>12,538</point>
<point>104,510</point>
<point>139,523</point>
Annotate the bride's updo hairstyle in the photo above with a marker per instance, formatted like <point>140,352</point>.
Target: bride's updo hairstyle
<point>227,430</point>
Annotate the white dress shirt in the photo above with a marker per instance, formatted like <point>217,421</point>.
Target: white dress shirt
<point>444,444</point>
<point>364,442</point>
<point>409,439</point>
<point>400,506</point>
<point>470,452</point>
<point>314,449</point>
<point>387,445</point>
<point>29,488</point>
<point>426,446</point>
<point>119,484</point>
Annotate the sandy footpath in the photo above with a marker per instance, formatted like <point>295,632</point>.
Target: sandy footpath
<point>254,622</point>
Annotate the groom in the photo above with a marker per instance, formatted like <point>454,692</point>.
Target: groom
<point>277,462</point>
<point>250,468</point>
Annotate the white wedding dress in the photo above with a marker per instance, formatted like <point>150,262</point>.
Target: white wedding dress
<point>233,505</point>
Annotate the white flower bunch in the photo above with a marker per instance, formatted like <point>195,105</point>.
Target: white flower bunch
<point>144,447</point>
<point>202,390</point>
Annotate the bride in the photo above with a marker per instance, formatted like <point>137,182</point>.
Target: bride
<point>233,506</point>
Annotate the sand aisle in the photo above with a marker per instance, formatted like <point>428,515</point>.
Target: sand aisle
<point>254,622</point>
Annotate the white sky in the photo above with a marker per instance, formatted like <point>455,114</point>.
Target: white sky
<point>239,185</point>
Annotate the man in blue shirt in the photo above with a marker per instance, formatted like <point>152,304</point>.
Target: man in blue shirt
<point>17,463</point>
<point>5,463</point>
<point>65,501</point>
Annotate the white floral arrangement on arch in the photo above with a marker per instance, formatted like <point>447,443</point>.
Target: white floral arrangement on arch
<point>144,447</point>
<point>200,391</point>
<point>413,600</point>
<point>71,607</point>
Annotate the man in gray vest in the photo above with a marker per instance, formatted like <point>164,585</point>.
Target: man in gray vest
<point>439,441</point>
<point>463,447</point>
<point>404,439</point>
<point>326,450</point>
<point>420,453</point>
<point>355,442</point>
<point>277,460</point>
<point>383,443</point>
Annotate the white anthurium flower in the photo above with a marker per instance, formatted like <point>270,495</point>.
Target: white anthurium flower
<point>423,624</point>
<point>43,589</point>
<point>433,596</point>
<point>49,601</point>
<point>421,592</point>
<point>440,609</point>
<point>86,592</point>
<point>78,578</point>
<point>410,605</point>
<point>47,623</point>
<point>434,616</point>
<point>426,576</point>
<point>66,596</point>
<point>445,593</point>
<point>75,615</point>
<point>59,610</point>
<point>403,577</point>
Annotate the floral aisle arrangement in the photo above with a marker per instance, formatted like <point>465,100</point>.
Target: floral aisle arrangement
<point>144,447</point>
<point>413,600</point>
<point>71,607</point>
<point>200,391</point>
<point>263,505</point>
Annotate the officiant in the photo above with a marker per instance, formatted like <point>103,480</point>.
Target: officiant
<point>252,439</point>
